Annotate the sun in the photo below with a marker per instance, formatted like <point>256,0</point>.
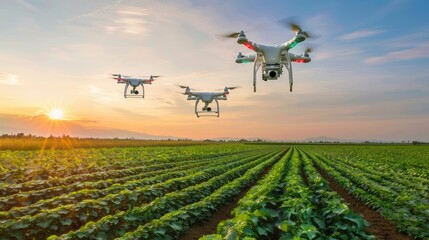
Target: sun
<point>56,114</point>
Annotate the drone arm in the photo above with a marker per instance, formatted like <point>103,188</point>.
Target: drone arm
<point>221,97</point>
<point>246,59</point>
<point>296,58</point>
<point>251,45</point>
<point>293,42</point>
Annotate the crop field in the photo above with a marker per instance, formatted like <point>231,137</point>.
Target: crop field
<point>216,191</point>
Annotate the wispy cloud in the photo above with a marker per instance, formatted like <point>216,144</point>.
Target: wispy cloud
<point>359,34</point>
<point>96,11</point>
<point>419,51</point>
<point>8,79</point>
<point>27,5</point>
<point>129,20</point>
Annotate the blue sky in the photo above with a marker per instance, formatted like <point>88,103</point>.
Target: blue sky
<point>368,78</point>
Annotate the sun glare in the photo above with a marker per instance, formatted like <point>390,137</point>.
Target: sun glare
<point>56,114</point>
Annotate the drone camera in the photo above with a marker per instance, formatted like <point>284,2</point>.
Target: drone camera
<point>209,109</point>
<point>136,92</point>
<point>271,72</point>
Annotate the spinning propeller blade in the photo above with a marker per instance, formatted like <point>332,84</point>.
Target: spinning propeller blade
<point>181,86</point>
<point>229,88</point>
<point>231,35</point>
<point>232,88</point>
<point>290,22</point>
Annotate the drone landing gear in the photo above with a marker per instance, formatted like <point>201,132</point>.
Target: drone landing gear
<point>256,67</point>
<point>288,66</point>
<point>208,112</point>
<point>133,92</point>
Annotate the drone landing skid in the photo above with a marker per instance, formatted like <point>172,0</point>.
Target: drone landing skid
<point>206,113</point>
<point>133,95</point>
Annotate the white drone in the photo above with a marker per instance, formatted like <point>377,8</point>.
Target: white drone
<point>134,83</point>
<point>207,98</point>
<point>272,58</point>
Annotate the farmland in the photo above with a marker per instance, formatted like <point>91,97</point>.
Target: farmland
<point>276,192</point>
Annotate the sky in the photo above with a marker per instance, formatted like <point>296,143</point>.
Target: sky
<point>368,78</point>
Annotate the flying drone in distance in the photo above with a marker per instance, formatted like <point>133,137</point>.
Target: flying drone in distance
<point>134,83</point>
<point>273,58</point>
<point>207,98</point>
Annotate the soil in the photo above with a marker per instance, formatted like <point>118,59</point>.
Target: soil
<point>380,227</point>
<point>223,213</point>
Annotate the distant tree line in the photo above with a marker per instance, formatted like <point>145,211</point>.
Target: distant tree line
<point>21,141</point>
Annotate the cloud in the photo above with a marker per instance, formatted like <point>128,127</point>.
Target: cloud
<point>419,51</point>
<point>27,6</point>
<point>96,11</point>
<point>8,79</point>
<point>129,20</point>
<point>359,34</point>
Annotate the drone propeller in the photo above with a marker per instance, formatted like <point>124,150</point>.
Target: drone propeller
<point>229,88</point>
<point>231,35</point>
<point>181,86</point>
<point>289,22</point>
<point>232,88</point>
<point>308,50</point>
<point>115,75</point>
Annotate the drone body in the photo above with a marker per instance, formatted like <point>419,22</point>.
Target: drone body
<point>134,83</point>
<point>207,98</point>
<point>272,59</point>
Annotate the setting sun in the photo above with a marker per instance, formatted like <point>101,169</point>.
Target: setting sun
<point>56,114</point>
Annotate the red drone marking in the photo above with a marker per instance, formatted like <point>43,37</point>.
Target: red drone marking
<point>248,45</point>
<point>300,60</point>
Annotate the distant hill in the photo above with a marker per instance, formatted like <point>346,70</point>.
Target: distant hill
<point>330,139</point>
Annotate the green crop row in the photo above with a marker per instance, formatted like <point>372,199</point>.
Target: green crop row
<point>8,189</point>
<point>406,164</point>
<point>297,211</point>
<point>398,209</point>
<point>388,192</point>
<point>72,216</point>
<point>119,223</point>
<point>93,189</point>
<point>26,166</point>
<point>176,222</point>
<point>336,220</point>
<point>141,181</point>
<point>255,212</point>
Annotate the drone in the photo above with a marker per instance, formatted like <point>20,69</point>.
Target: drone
<point>272,58</point>
<point>207,98</point>
<point>134,83</point>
